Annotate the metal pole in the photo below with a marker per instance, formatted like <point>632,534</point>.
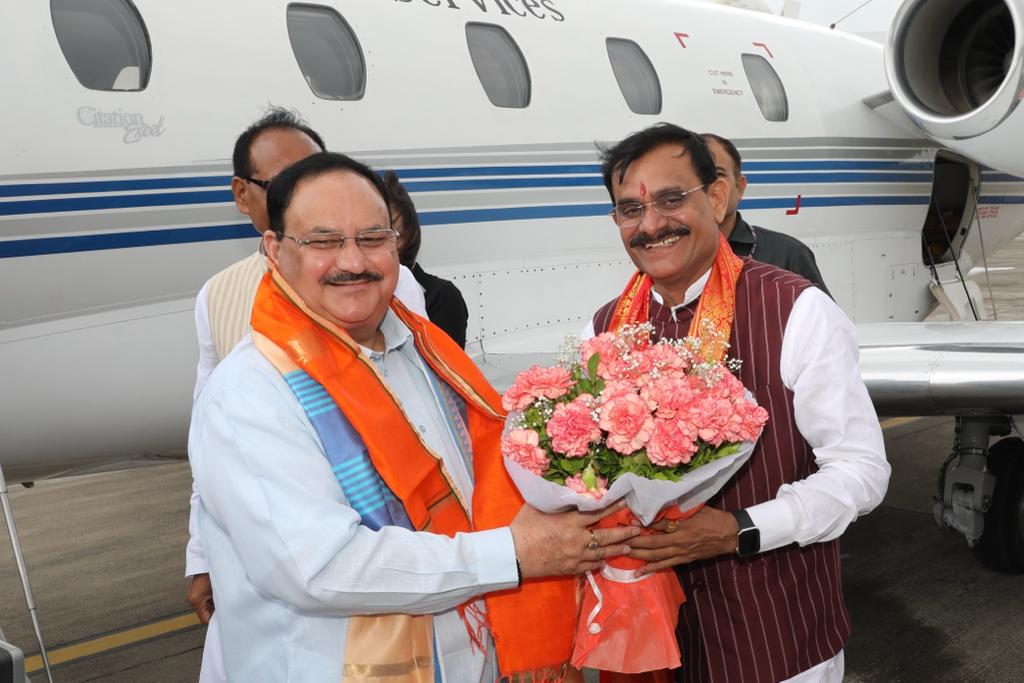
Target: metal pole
<point>30,600</point>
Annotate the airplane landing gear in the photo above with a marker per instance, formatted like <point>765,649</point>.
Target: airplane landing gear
<point>981,492</point>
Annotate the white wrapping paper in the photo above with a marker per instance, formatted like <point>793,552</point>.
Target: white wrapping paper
<point>645,497</point>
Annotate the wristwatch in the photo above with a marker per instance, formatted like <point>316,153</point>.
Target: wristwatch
<point>749,540</point>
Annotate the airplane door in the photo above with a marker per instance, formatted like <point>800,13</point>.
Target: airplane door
<point>951,209</point>
<point>951,212</point>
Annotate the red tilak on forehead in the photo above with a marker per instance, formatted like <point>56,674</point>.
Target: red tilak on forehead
<point>643,190</point>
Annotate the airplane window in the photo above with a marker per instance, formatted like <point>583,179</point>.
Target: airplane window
<point>636,76</point>
<point>767,87</point>
<point>499,64</point>
<point>104,42</point>
<point>327,51</point>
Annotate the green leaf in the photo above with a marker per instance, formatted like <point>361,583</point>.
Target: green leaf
<point>592,364</point>
<point>590,478</point>
<point>572,465</point>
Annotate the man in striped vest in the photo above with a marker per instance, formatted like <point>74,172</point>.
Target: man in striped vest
<point>760,564</point>
<point>224,308</point>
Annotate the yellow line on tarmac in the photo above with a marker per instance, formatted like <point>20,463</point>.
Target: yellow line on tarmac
<point>897,422</point>
<point>112,641</point>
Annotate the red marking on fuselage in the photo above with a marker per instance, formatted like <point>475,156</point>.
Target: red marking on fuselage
<point>765,49</point>
<point>794,211</point>
<point>680,36</point>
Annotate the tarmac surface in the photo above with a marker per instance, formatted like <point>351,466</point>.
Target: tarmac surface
<point>106,557</point>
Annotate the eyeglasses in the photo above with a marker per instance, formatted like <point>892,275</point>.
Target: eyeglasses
<point>376,241</point>
<point>256,181</point>
<point>629,214</point>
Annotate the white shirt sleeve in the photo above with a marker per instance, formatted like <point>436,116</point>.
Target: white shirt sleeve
<point>410,293</point>
<point>208,358</point>
<point>195,558</point>
<point>264,480</point>
<point>834,414</point>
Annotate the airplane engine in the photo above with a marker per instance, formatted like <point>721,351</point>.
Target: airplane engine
<point>956,68</point>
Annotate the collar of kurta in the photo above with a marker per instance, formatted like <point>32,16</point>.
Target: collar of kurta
<point>712,321</point>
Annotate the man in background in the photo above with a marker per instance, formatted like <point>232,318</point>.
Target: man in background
<point>761,244</point>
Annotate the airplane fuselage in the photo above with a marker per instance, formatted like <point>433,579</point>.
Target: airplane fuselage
<point>115,205</point>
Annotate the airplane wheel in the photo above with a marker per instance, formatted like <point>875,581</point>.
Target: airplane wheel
<point>1002,544</point>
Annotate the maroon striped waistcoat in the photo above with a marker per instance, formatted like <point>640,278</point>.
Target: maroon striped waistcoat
<point>769,617</point>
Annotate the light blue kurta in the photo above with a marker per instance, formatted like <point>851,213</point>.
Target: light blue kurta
<point>289,559</point>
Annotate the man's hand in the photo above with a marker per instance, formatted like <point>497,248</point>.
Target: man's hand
<point>558,545</point>
<point>709,533</point>
<point>200,596</point>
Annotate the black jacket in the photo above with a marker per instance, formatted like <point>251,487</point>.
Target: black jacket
<point>776,248</point>
<point>445,306</point>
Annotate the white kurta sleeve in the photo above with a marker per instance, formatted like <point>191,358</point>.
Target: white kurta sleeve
<point>195,559</point>
<point>208,358</point>
<point>834,414</point>
<point>264,480</point>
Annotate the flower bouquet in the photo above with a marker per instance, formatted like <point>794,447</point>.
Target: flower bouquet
<point>664,426</point>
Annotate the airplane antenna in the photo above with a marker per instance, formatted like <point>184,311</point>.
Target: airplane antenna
<point>850,14</point>
<point>12,531</point>
<point>984,256</point>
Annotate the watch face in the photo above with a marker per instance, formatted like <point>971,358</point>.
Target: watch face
<point>749,542</point>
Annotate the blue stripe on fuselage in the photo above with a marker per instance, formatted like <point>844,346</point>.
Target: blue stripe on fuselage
<point>121,240</point>
<point>37,189</point>
<point>134,201</point>
<point>90,186</point>
<point>117,201</point>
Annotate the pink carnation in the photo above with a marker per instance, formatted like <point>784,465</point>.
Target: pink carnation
<point>633,367</point>
<point>621,358</point>
<point>522,446</point>
<point>673,442</point>
<point>604,346</point>
<point>712,416</point>
<point>537,382</point>
<point>573,428</point>
<point>615,389</point>
<point>575,483</point>
<point>722,384</point>
<point>628,421</point>
<point>746,422</point>
<point>671,395</point>
<point>668,359</point>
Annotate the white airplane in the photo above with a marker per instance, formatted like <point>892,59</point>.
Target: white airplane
<point>898,166</point>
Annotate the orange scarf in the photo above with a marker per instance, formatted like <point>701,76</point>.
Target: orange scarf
<point>712,321</point>
<point>532,626</point>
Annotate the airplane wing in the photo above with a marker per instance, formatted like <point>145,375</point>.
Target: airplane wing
<point>954,368</point>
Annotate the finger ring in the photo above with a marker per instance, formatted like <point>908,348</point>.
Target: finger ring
<point>672,525</point>
<point>593,545</point>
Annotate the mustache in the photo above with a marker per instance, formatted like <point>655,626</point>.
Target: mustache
<point>642,239</point>
<point>340,277</point>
